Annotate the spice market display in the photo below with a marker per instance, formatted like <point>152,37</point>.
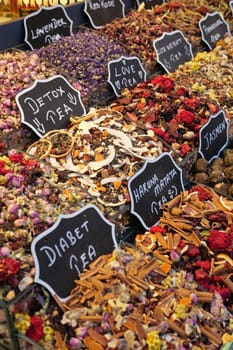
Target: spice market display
<point>166,287</point>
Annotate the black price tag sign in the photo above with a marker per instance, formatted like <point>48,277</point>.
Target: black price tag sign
<point>172,49</point>
<point>214,136</point>
<point>48,104</point>
<point>150,3</point>
<point>213,28</point>
<point>101,12</point>
<point>46,25</point>
<point>231,6</point>
<point>125,72</point>
<point>155,184</point>
<point>63,251</point>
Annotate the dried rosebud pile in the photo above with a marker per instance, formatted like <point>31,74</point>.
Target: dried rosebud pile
<point>18,71</point>
<point>82,57</point>
<point>169,109</point>
<point>32,196</point>
<point>210,74</point>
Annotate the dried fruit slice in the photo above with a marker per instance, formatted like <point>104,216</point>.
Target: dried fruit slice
<point>40,148</point>
<point>226,202</point>
<point>62,143</point>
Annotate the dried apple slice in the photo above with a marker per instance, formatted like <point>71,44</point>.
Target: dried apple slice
<point>40,148</point>
<point>62,143</point>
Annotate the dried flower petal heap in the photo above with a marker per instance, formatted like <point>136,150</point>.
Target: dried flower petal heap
<point>32,196</point>
<point>210,74</point>
<point>19,69</point>
<point>83,57</point>
<point>137,31</point>
<point>169,109</point>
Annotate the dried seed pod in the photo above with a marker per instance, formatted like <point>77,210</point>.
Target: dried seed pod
<point>201,165</point>
<point>228,171</point>
<point>228,157</point>
<point>202,178</point>
<point>216,175</point>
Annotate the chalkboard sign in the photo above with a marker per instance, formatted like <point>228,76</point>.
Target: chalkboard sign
<point>172,49</point>
<point>125,72</point>
<point>213,136</point>
<point>66,249</point>
<point>155,184</point>
<point>48,104</point>
<point>101,12</point>
<point>46,25</point>
<point>150,3</point>
<point>213,28</point>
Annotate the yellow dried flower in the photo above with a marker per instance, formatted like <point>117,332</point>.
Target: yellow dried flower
<point>153,341</point>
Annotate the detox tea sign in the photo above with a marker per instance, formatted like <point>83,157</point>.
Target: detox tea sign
<point>49,104</point>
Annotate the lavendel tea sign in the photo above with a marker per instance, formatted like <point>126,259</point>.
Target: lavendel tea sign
<point>46,25</point>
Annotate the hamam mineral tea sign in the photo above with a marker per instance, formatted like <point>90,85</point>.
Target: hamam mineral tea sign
<point>63,251</point>
<point>150,3</point>
<point>46,25</point>
<point>213,28</point>
<point>125,73</point>
<point>214,136</point>
<point>155,184</point>
<point>101,12</point>
<point>48,104</point>
<point>172,50</point>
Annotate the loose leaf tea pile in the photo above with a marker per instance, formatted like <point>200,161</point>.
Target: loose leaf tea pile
<point>174,288</point>
<point>83,57</point>
<point>210,74</point>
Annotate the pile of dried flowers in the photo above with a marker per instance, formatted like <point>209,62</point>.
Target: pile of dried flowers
<point>169,109</point>
<point>136,31</point>
<point>210,74</point>
<point>32,196</point>
<point>83,57</point>
<point>19,69</point>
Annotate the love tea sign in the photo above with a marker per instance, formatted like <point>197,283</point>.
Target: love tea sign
<point>101,12</point>
<point>214,136</point>
<point>150,3</point>
<point>172,50</point>
<point>125,72</point>
<point>46,25</point>
<point>63,251</point>
<point>48,104</point>
<point>155,184</point>
<point>213,28</point>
